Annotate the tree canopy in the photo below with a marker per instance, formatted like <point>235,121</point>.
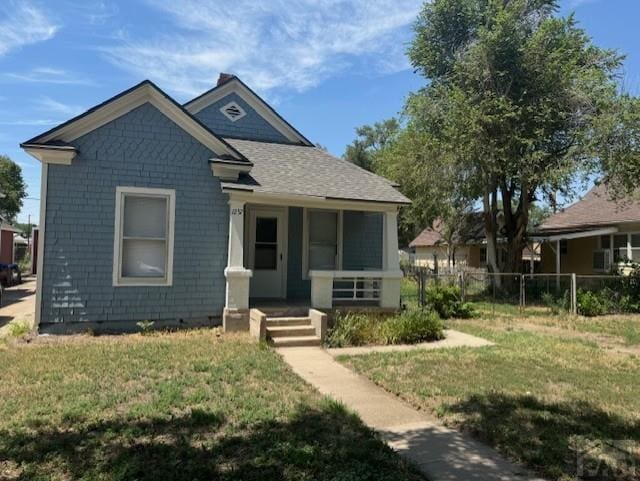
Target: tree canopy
<point>519,104</point>
<point>12,188</point>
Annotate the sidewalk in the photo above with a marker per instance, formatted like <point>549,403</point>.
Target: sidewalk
<point>442,454</point>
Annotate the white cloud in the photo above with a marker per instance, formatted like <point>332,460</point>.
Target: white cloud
<point>23,24</point>
<point>48,104</point>
<point>29,122</point>
<point>48,75</point>
<point>578,3</point>
<point>277,44</point>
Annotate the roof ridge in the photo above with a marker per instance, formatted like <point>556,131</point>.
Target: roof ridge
<point>95,108</point>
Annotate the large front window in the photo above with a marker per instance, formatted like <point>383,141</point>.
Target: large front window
<point>322,240</point>
<point>143,245</point>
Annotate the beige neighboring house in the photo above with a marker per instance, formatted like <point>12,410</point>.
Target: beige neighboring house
<point>595,235</point>
<point>430,249</point>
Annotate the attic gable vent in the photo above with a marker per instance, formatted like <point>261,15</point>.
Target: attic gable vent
<point>233,111</point>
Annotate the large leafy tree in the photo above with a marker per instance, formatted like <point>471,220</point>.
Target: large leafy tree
<point>12,188</point>
<point>519,103</point>
<point>370,141</point>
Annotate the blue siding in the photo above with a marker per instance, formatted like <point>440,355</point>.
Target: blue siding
<point>362,240</point>
<point>252,126</point>
<point>297,287</point>
<point>142,148</point>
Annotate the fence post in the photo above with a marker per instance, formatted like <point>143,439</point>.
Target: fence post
<point>421,287</point>
<point>574,295</point>
<point>522,299</point>
<point>462,286</point>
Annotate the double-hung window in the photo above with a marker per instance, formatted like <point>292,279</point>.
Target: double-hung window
<point>620,252</point>
<point>634,244</point>
<point>144,229</point>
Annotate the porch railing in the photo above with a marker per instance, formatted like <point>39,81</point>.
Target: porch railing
<point>356,289</point>
<point>378,288</point>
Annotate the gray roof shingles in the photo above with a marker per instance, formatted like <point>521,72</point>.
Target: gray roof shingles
<point>300,170</point>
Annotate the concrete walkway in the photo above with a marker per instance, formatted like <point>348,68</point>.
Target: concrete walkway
<point>442,454</point>
<point>452,339</point>
<point>19,305</point>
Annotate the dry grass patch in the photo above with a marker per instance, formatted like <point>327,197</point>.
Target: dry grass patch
<point>180,406</point>
<point>532,396</point>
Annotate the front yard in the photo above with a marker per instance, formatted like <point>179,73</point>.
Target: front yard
<point>181,406</point>
<point>547,391</point>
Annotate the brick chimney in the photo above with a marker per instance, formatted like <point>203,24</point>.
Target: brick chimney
<point>224,78</point>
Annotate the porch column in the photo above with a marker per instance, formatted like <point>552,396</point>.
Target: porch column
<point>236,310</point>
<point>558,264</point>
<point>390,295</point>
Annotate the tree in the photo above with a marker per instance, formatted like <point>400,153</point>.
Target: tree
<point>519,103</point>
<point>370,140</point>
<point>12,187</point>
<point>412,161</point>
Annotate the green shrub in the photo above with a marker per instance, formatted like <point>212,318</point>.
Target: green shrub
<point>19,329</point>
<point>353,329</point>
<point>556,304</point>
<point>146,327</point>
<point>446,300</point>
<point>360,329</point>
<point>412,326</point>
<point>591,303</point>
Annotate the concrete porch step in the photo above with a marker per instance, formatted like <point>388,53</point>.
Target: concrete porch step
<point>288,321</point>
<point>290,331</point>
<point>295,341</point>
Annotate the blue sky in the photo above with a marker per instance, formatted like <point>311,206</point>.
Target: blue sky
<point>327,66</point>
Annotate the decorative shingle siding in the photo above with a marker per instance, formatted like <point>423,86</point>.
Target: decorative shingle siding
<point>362,240</point>
<point>142,148</point>
<point>252,126</point>
<point>297,287</point>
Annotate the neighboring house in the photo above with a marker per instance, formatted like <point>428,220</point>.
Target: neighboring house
<point>7,232</point>
<point>190,214</point>
<point>593,236</point>
<point>20,248</point>
<point>430,248</point>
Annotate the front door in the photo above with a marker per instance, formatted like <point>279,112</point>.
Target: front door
<point>267,253</point>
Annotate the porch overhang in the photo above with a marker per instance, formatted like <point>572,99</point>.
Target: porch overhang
<point>554,236</point>
<point>245,194</point>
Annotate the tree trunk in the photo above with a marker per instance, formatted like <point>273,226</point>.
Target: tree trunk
<point>490,207</point>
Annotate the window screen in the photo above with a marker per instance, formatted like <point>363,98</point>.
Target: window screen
<point>323,240</point>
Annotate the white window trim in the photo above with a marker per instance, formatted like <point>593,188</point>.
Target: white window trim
<point>118,280</point>
<point>612,249</point>
<point>305,239</point>
<point>608,261</point>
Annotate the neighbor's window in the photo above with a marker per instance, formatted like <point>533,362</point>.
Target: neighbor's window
<point>144,236</point>
<point>635,247</point>
<point>483,256</point>
<point>322,240</point>
<point>620,247</point>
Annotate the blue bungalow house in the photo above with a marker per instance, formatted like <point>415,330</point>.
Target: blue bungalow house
<point>193,214</point>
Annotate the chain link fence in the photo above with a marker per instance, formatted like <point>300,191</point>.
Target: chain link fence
<point>555,293</point>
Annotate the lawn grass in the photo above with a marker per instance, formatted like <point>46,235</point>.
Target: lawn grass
<point>624,327</point>
<point>533,396</point>
<point>182,406</point>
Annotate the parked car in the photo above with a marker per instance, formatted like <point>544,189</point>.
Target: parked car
<point>10,275</point>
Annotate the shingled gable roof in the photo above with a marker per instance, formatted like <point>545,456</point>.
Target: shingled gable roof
<point>289,169</point>
<point>472,232</point>
<point>596,209</point>
<point>230,83</point>
<point>59,136</point>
